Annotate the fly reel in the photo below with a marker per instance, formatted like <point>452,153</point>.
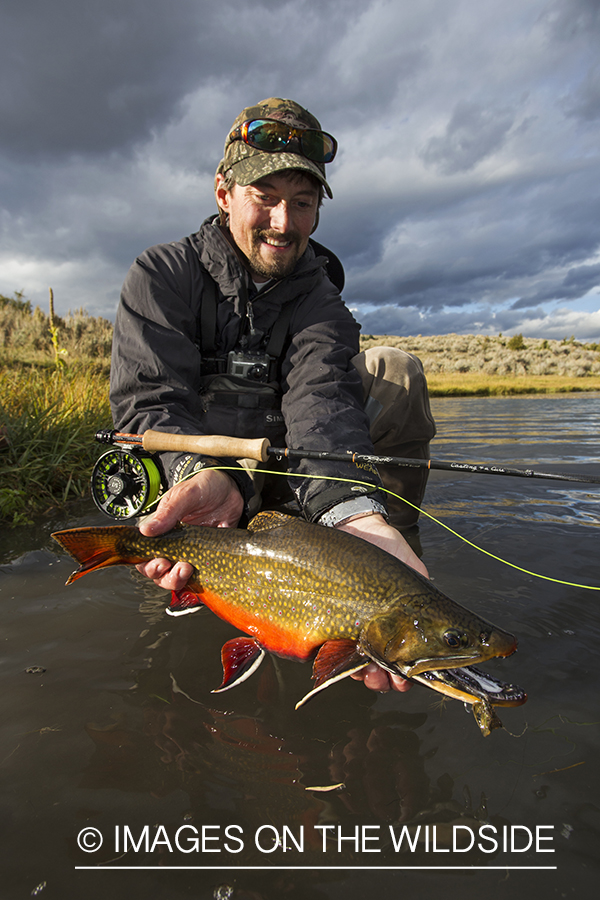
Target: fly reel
<point>124,484</point>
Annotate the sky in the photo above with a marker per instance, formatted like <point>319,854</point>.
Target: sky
<point>467,184</point>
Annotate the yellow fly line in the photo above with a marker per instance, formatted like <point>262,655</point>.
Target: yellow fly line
<point>587,587</point>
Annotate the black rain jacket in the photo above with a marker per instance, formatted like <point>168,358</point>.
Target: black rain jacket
<point>156,372</point>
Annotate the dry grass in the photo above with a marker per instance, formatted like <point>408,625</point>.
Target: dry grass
<point>48,419</point>
<point>26,336</point>
<point>480,364</point>
<point>473,384</point>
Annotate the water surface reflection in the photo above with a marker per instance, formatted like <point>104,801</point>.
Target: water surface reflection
<point>121,729</point>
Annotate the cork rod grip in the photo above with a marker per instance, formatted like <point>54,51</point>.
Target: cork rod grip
<point>207,444</point>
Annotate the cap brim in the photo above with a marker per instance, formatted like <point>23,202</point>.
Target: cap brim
<point>252,168</point>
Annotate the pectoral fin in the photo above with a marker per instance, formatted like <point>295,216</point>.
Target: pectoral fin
<point>241,657</point>
<point>334,661</point>
<point>184,602</point>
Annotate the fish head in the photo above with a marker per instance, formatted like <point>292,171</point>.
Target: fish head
<point>432,632</point>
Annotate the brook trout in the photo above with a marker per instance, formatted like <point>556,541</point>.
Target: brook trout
<point>298,590</point>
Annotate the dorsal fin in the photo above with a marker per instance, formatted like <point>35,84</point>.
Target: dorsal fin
<point>268,519</point>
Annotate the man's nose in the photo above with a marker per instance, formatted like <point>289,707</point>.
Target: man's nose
<point>280,217</point>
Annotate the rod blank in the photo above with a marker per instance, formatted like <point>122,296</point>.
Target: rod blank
<point>411,463</point>
<point>259,449</point>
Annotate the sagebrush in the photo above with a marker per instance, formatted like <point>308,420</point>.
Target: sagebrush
<point>26,334</point>
<point>456,354</point>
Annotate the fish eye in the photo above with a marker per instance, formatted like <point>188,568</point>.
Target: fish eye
<point>455,638</point>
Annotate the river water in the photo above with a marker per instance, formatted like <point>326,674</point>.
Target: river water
<point>109,728</point>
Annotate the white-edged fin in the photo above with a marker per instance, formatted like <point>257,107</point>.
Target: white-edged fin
<point>184,602</point>
<point>332,680</point>
<point>241,657</point>
<point>181,612</point>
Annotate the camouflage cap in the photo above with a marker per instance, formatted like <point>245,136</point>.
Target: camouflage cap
<point>249,164</point>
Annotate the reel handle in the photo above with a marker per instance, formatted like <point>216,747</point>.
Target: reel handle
<point>209,444</point>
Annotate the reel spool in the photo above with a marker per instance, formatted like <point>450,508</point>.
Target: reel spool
<point>124,484</point>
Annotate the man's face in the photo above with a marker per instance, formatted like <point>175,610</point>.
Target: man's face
<point>271,221</point>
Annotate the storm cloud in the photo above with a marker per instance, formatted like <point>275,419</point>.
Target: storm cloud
<point>466,189</point>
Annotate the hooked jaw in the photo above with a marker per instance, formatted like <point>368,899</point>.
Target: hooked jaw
<point>418,666</point>
<point>472,685</point>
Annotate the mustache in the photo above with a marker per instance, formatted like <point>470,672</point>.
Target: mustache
<point>292,236</point>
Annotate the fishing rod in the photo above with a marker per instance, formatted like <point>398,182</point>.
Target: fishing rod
<point>126,480</point>
<point>260,450</point>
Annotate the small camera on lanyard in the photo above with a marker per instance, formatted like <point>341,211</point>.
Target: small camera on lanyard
<point>253,366</point>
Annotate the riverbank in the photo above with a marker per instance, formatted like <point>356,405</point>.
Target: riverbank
<point>482,365</point>
<point>48,418</point>
<point>49,415</point>
<point>473,384</point>
<point>54,392</point>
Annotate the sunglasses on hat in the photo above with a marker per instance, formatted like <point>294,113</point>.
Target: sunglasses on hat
<point>273,136</point>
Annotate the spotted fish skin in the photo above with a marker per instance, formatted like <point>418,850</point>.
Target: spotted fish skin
<point>295,587</point>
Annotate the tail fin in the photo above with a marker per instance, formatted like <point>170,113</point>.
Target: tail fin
<point>96,548</point>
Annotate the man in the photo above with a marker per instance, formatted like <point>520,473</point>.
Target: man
<point>239,330</point>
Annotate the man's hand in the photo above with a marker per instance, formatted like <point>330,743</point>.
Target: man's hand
<point>377,531</point>
<point>209,498</point>
<point>212,498</point>
<point>377,679</point>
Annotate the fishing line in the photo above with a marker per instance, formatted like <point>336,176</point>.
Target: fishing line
<point>587,587</point>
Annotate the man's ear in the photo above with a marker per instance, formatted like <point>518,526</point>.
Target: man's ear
<point>221,193</point>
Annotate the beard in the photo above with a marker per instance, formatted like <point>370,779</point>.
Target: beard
<point>274,268</point>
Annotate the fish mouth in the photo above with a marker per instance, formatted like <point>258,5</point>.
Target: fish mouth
<point>421,666</point>
<point>472,685</point>
<point>456,661</point>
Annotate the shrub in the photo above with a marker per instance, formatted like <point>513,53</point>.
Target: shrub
<point>29,335</point>
<point>516,342</point>
<point>16,303</point>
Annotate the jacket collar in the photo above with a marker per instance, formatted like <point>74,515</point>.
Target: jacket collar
<point>220,259</point>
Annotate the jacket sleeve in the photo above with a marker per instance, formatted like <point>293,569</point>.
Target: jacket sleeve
<point>323,404</point>
<point>155,369</point>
